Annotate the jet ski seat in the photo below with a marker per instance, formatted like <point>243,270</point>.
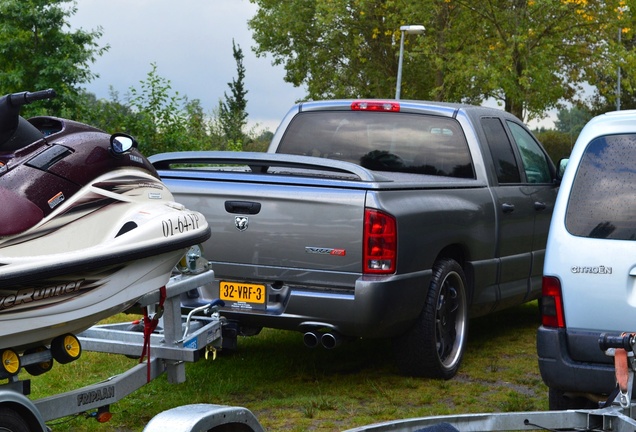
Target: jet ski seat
<point>17,214</point>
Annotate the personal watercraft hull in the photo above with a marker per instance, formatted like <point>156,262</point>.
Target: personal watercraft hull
<point>72,303</point>
<point>112,242</point>
<point>86,225</point>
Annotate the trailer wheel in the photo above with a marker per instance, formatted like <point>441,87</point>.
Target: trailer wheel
<point>10,421</point>
<point>434,346</point>
<point>66,348</point>
<point>10,362</point>
<point>38,368</point>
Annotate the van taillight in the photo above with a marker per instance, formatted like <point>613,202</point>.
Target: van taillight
<point>362,105</point>
<point>552,303</point>
<point>380,242</point>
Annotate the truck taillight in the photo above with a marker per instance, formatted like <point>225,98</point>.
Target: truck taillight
<point>380,242</point>
<point>552,303</point>
<point>362,105</point>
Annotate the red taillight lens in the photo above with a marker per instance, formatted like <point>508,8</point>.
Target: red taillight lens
<point>380,242</point>
<point>552,303</point>
<point>375,106</point>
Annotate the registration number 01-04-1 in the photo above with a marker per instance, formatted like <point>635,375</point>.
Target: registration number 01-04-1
<point>242,293</point>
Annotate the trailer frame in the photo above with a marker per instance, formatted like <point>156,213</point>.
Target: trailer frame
<point>179,339</point>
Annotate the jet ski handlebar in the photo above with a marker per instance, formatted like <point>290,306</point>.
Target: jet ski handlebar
<point>10,120</point>
<point>24,98</point>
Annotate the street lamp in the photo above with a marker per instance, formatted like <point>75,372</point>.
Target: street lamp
<point>621,10</point>
<point>410,29</point>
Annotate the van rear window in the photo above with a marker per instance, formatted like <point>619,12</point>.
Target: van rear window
<point>602,201</point>
<point>397,142</point>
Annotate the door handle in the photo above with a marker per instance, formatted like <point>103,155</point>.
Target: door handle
<point>507,208</point>
<point>243,207</point>
<point>538,205</point>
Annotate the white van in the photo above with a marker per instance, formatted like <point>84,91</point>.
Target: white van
<point>589,283</point>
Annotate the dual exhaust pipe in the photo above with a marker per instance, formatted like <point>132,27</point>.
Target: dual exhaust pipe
<point>328,340</point>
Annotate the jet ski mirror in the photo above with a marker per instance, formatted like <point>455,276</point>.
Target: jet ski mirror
<point>121,143</point>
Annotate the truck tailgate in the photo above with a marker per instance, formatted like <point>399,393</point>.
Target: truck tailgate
<point>301,227</point>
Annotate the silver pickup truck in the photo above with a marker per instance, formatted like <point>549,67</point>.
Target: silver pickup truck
<point>374,219</point>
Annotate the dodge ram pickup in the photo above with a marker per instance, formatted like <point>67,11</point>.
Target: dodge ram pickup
<point>374,219</point>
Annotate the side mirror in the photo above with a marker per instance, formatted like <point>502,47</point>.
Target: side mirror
<point>561,168</point>
<point>121,143</point>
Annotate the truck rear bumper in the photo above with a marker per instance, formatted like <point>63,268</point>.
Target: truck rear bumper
<point>378,306</point>
<point>560,371</point>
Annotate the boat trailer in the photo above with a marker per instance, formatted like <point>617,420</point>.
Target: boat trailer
<point>177,339</point>
<point>612,418</point>
<point>617,414</point>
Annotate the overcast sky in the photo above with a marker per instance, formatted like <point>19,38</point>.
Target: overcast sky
<point>190,41</point>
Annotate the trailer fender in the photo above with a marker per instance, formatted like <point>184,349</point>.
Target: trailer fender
<point>24,408</point>
<point>204,417</point>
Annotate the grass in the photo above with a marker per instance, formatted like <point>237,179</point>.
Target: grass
<point>293,388</point>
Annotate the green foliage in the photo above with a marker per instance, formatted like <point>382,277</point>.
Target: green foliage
<point>160,120</point>
<point>529,55</point>
<point>260,142</point>
<point>620,52</point>
<point>557,144</point>
<point>337,48</point>
<point>38,52</point>
<point>571,121</point>
<point>232,114</point>
<point>112,115</point>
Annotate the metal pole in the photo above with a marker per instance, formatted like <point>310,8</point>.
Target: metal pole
<point>621,11</point>
<point>398,85</point>
<point>618,81</point>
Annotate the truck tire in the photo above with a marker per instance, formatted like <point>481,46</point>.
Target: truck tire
<point>434,346</point>
<point>10,421</point>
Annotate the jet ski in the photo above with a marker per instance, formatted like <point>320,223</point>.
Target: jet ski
<point>86,226</point>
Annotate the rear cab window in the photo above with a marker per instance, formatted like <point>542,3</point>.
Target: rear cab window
<point>395,142</point>
<point>602,201</point>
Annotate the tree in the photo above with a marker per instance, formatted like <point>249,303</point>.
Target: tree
<point>620,53</point>
<point>165,120</point>
<point>336,49</point>
<point>531,55</point>
<point>111,115</point>
<point>572,121</point>
<point>160,120</point>
<point>38,51</point>
<point>232,114</point>
<point>197,126</point>
<point>538,53</point>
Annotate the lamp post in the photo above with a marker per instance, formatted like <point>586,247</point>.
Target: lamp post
<point>621,10</point>
<point>410,29</point>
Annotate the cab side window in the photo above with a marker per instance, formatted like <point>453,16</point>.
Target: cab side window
<point>503,156</point>
<point>533,159</point>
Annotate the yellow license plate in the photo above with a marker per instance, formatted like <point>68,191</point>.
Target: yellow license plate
<point>242,292</point>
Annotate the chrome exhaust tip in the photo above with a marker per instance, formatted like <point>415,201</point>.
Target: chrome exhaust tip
<point>310,339</point>
<point>330,340</point>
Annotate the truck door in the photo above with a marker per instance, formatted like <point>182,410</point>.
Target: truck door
<point>539,186</point>
<point>521,201</point>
